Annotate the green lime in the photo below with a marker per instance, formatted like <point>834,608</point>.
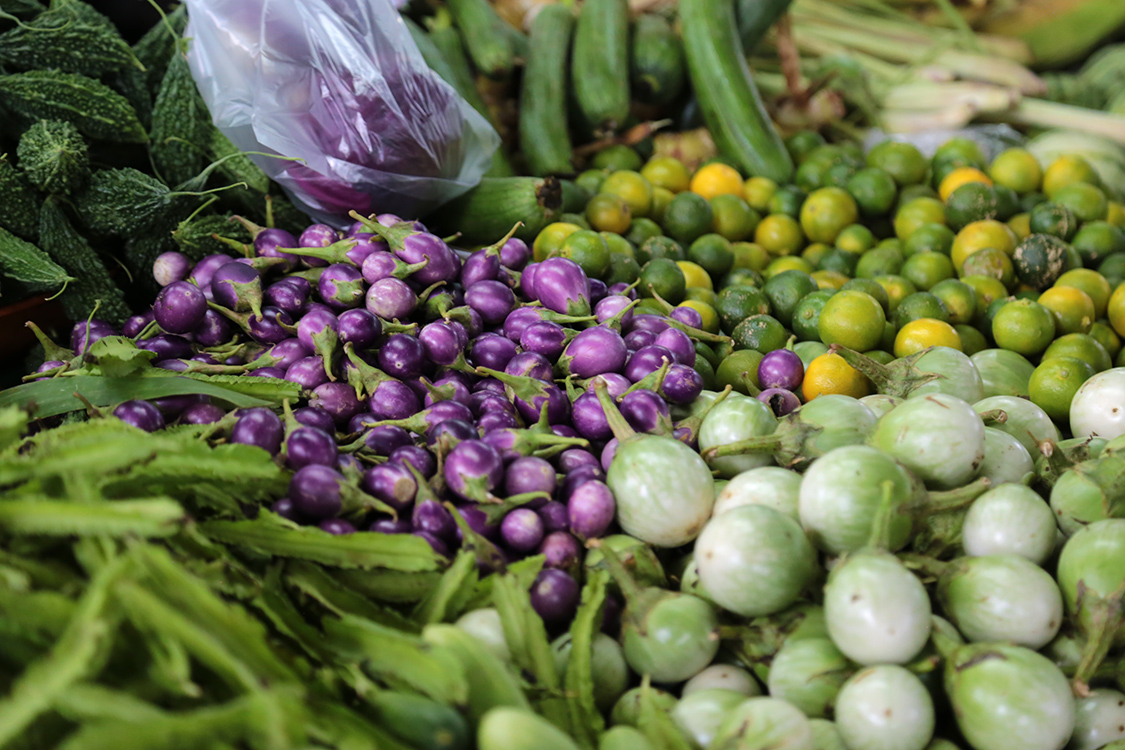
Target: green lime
<point>1113,268</point>
<point>1023,326</point>
<point>872,287</point>
<point>1054,383</point>
<point>815,252</point>
<point>838,175</point>
<point>990,262</point>
<point>660,247</point>
<point>856,239</point>
<point>913,192</point>
<point>787,200</point>
<point>736,303</point>
<point>802,143</point>
<point>739,370</point>
<point>1088,202</point>
<point>806,315</point>
<point>811,174</point>
<point>741,277</point>
<point>809,350</point>
<point>762,332</point>
<point>785,290</point>
<point>879,261</point>
<point>706,373</point>
<point>577,219</point>
<point>712,252</point>
<point>915,213</point>
<point>589,250</point>
<point>633,188</point>
<point>591,180</point>
<point>852,319</point>
<point>927,269</point>
<point>618,244</point>
<point>701,294</point>
<point>1081,346</point>
<point>920,305</point>
<point>687,217</point>
<point>902,161</point>
<point>733,217</point>
<point>617,157</point>
<point>929,238</point>
<point>972,340</point>
<point>973,201</point>
<point>874,191</point>
<point>642,229</point>
<point>663,277</point>
<point>826,212</point>
<point>963,148</point>
<point>1029,201</point>
<point>959,299</point>
<point>1097,240</point>
<point>839,261</point>
<point>1007,202</point>
<point>1054,219</point>
<point>623,269</point>
<point>750,255</point>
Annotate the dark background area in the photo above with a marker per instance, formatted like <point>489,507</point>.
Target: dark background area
<point>133,17</point>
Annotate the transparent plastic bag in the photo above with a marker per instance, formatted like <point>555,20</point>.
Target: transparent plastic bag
<point>339,87</point>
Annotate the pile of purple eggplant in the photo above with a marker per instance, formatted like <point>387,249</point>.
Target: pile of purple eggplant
<point>430,376</point>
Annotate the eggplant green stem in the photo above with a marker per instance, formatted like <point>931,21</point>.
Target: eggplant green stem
<point>617,423</point>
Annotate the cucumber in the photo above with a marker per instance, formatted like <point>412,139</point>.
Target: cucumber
<point>19,203</point>
<point>1039,260</point>
<point>732,109</point>
<point>490,48</point>
<point>488,211</point>
<point>421,722</point>
<point>95,109</point>
<point>544,138</point>
<point>520,729</point>
<point>599,64</point>
<point>54,157</point>
<point>492,683</point>
<point>24,262</point>
<point>657,71</point>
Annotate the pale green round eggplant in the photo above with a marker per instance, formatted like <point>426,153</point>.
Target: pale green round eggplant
<point>506,728</point>
<point>937,436</point>
<point>700,714</point>
<point>485,625</point>
<point>1003,372</point>
<point>1010,519</point>
<point>825,735</point>
<point>624,737</point>
<point>1007,697</point>
<point>755,561</point>
<point>677,638</point>
<point>724,676</point>
<point>885,707</point>
<point>1092,562</point>
<point>880,403</point>
<point>1006,461</point>
<point>1024,421</point>
<point>627,710</point>
<point>841,494</point>
<point>732,421</point>
<point>771,486</point>
<point>765,724</point>
<point>809,673</point>
<point>1099,719</point>
<point>958,376</point>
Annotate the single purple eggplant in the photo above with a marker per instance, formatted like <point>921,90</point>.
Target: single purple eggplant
<point>554,596</point>
<point>290,294</point>
<point>402,356</point>
<point>577,478</point>
<point>284,508</point>
<point>781,401</point>
<point>432,517</point>
<point>447,389</point>
<point>445,436</point>
<point>480,266</point>
<point>519,319</point>
<point>306,446</point>
<point>473,470</point>
<point>560,550</point>
<point>491,299</point>
<point>522,530</point>
<point>589,418</point>
<point>166,346</point>
<point>267,243</point>
<point>237,287</point>
<point>530,364</point>
<point>561,285</point>
<point>646,361</point>
<point>646,411</point>
<point>391,299</point>
<point>307,372</point>
<point>140,414</point>
<point>201,414</point>
<point>272,327</point>
<point>136,324</point>
<point>316,235</point>
<point>489,384</point>
<point>544,338</point>
<point>515,254</point>
<point>341,286</point>
<point>513,443</point>
<point>204,270</point>
<point>781,368</point>
<point>593,352</point>
<point>336,526</point>
<point>214,330</point>
<point>382,264</point>
<point>612,306</point>
<point>573,458</point>
<point>420,458</point>
<point>635,340</point>
<point>598,291</point>
<point>478,521</point>
<point>385,439</point>
<point>679,343</point>
<point>315,492</point>
<point>591,508</point>
<point>529,474</point>
<point>319,331</point>
<point>554,516</point>
<point>436,543</point>
<point>496,420</point>
<point>442,342</point>
<point>260,427</point>
<point>391,483</point>
<point>681,385</point>
<point>483,402</point>
<point>287,352</point>
<point>359,327</point>
<point>555,401</point>
<point>313,416</point>
<point>527,282</point>
<point>649,322</point>
<point>394,400</point>
<point>688,316</point>
<point>338,399</point>
<point>629,290</point>
<point>413,246</point>
<point>391,526</point>
<point>170,267</point>
<point>492,351</point>
<point>85,333</point>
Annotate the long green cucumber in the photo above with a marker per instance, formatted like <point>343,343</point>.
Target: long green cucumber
<point>731,104</point>
<point>657,69</point>
<point>600,63</point>
<point>424,723</point>
<point>544,137</point>
<point>488,211</point>
<point>492,50</point>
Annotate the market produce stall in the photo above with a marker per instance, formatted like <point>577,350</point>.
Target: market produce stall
<point>545,376</point>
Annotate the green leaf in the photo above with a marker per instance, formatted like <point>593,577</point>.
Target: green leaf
<point>444,602</point>
<point>656,724</point>
<point>118,357</point>
<point>314,581</point>
<point>270,535</point>
<point>152,517</point>
<point>91,702</point>
<point>25,262</point>
<point>586,722</point>
<point>397,586</point>
<point>246,471</point>
<point>525,571</point>
<point>531,651</point>
<point>72,659</point>
<point>13,424</point>
<point>56,395</point>
<point>385,653</point>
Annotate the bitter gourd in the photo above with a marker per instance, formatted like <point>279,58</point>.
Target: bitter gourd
<point>195,236</point>
<point>61,39</point>
<point>54,157</point>
<point>24,262</point>
<point>19,203</point>
<point>95,109</point>
<point>155,48</point>
<point>92,284</point>
<point>180,123</point>
<point>122,202</point>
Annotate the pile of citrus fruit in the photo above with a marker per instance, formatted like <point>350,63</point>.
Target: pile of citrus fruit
<point>886,253</point>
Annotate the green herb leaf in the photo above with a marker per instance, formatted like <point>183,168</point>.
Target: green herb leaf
<point>445,601</point>
<point>13,424</point>
<point>402,587</point>
<point>118,357</point>
<point>314,581</point>
<point>92,702</point>
<point>153,517</point>
<point>655,723</point>
<point>586,722</point>
<point>25,262</point>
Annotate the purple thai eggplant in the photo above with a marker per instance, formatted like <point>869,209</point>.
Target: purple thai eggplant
<point>272,327</point>
<point>554,596</point>
<point>336,526</point>
<point>545,338</point>
<point>529,474</point>
<point>593,352</point>
<point>483,402</point>
<point>645,411</point>
<point>413,246</point>
<point>621,287</point>
<point>589,418</point>
<point>166,346</point>
<point>679,343</point>
<point>613,305</point>
<point>140,414</point>
<point>214,330</point>
<point>496,420</point>
<point>285,508</point>
<point>391,526</point>
<point>635,340</point>
<point>307,372</point>
<point>574,458</point>
<point>492,351</point>
<point>515,254</point>
<point>402,356</point>
<point>558,406</point>
<point>530,364</point>
<point>315,492</point>
<point>391,299</point>
<point>688,316</point>
<point>170,267</point>
<point>391,483</point>
<point>338,399</point>
<point>260,427</point>
<point>432,517</point>
<point>598,291</point>
<point>445,436</point>
<point>382,264</point>
<point>491,299</point>
<point>436,543</point>
<point>360,328</point>
<point>649,322</point>
<point>267,242</point>
<point>420,458</point>
<point>238,287</point>
<point>646,361</point>
<point>202,414</point>
<point>135,324</point>
<point>478,521</point>
<point>287,352</point>
<point>561,285</point>
<point>394,400</point>
<point>577,478</point>
<point>83,334</point>
<point>267,372</point>
<point>341,286</point>
<point>312,416</point>
<point>204,270</point>
<point>448,389</point>
<point>383,440</point>
<point>306,446</point>
<point>442,341</point>
<point>319,331</point>
<point>527,282</point>
<point>290,294</point>
<point>473,470</point>
<point>681,385</point>
<point>781,401</point>
<point>480,266</point>
<point>519,319</point>
<point>591,508</point>
<point>560,550</point>
<point>781,368</point>
<point>316,235</point>
<point>522,530</point>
